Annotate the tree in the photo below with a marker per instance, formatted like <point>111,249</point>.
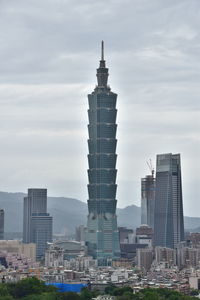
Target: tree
<point>4,290</point>
<point>109,289</point>
<point>7,297</point>
<point>128,295</point>
<point>26,287</point>
<point>69,296</point>
<point>194,293</point>
<point>85,294</point>
<point>152,295</point>
<point>122,291</point>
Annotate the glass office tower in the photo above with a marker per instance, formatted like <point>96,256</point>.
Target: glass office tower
<point>37,223</point>
<point>102,233</point>
<point>168,223</point>
<point>35,202</point>
<point>41,232</point>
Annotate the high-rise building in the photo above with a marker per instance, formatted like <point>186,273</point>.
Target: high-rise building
<point>188,257</point>
<point>80,233</point>
<point>148,200</point>
<point>165,255</point>
<point>1,224</point>
<point>37,223</point>
<point>103,235</point>
<point>168,223</point>
<point>35,202</point>
<point>41,232</point>
<point>144,258</point>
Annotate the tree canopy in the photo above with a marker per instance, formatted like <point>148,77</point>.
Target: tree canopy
<point>34,289</point>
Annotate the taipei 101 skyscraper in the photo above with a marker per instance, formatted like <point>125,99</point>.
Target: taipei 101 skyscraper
<point>102,232</point>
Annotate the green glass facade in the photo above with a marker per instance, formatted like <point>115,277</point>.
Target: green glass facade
<point>102,233</point>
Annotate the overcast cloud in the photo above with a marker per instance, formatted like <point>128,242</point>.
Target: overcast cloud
<point>49,51</point>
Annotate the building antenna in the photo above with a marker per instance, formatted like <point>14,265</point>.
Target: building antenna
<point>102,50</point>
<point>151,168</point>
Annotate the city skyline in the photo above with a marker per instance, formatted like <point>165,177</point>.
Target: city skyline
<point>43,118</point>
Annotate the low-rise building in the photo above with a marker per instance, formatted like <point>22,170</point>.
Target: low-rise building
<point>194,283</point>
<point>144,235</point>
<point>165,255</point>
<point>15,246</point>
<point>188,257</point>
<point>54,256</point>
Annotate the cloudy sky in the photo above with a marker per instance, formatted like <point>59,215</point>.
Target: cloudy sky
<point>49,52</point>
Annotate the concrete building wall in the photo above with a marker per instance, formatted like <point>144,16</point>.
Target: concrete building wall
<point>144,258</point>
<point>12,246</point>
<point>194,283</point>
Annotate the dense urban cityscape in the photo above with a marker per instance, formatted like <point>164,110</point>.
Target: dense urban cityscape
<point>157,254</point>
<point>101,258</point>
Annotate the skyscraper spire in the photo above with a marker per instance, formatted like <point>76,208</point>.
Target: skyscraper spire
<point>102,71</point>
<point>102,50</point>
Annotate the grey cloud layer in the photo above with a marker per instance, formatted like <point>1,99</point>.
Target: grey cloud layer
<point>49,51</point>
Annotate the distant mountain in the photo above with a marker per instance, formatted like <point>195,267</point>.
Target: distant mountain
<point>129,216</point>
<point>192,224</point>
<point>68,213</point>
<point>12,203</point>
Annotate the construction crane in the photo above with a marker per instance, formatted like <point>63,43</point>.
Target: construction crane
<point>151,168</point>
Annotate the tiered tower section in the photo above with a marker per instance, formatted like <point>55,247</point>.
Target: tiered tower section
<point>103,237</point>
